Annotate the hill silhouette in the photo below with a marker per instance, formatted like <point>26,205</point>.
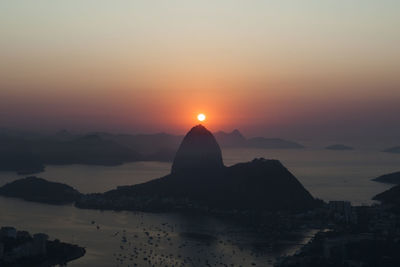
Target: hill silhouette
<point>198,152</point>
<point>232,139</point>
<point>390,197</point>
<point>391,178</point>
<point>30,155</point>
<point>89,149</point>
<point>40,190</point>
<point>199,179</point>
<point>18,155</point>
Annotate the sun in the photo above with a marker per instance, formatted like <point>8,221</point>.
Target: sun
<point>201,117</point>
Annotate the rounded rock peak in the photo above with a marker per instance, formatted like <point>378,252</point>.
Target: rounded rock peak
<point>198,152</point>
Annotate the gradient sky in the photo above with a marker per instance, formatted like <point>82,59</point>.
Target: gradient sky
<point>273,68</point>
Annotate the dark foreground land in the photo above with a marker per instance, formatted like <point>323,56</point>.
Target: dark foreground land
<point>349,236</point>
<point>19,248</point>
<point>357,236</point>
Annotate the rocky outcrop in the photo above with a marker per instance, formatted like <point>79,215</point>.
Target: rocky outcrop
<point>198,152</point>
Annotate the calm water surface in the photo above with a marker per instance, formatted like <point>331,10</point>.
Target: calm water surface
<point>122,238</point>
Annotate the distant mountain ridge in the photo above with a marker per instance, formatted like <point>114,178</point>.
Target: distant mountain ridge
<point>89,149</point>
<point>29,153</point>
<point>18,155</point>
<point>232,139</point>
<point>236,139</point>
<point>339,147</point>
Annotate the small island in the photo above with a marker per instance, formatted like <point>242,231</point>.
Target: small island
<point>395,150</point>
<point>20,248</point>
<point>391,178</point>
<point>339,147</point>
<point>40,190</point>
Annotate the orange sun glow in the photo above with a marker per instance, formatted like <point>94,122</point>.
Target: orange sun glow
<point>201,117</point>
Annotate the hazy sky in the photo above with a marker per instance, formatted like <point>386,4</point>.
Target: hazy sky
<point>288,68</point>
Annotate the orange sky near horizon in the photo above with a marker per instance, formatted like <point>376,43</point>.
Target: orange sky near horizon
<point>265,67</point>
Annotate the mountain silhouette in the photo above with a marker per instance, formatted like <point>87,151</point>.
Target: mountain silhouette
<point>232,139</point>
<point>198,179</point>
<point>90,149</point>
<point>199,151</point>
<point>29,153</point>
<point>18,155</point>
